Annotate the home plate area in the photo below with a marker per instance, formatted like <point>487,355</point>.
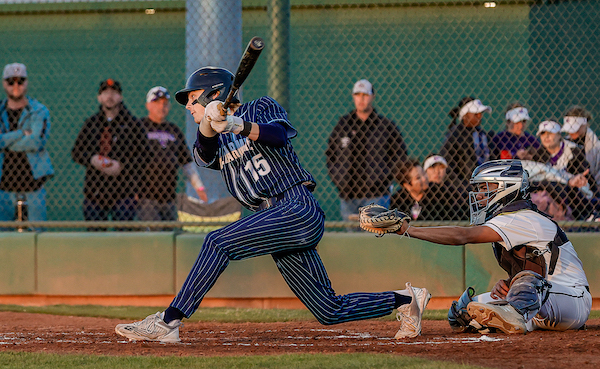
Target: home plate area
<point>80,335</point>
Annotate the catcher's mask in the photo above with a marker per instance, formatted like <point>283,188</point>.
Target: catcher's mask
<point>513,185</point>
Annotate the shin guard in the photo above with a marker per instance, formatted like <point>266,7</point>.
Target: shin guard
<point>528,292</point>
<point>458,317</point>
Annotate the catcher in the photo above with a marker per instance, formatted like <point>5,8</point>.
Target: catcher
<point>546,286</point>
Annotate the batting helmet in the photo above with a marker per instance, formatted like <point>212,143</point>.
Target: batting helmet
<point>209,79</point>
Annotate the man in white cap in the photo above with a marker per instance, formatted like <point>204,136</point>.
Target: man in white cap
<point>363,151</point>
<point>435,168</point>
<point>466,145</point>
<point>576,123</point>
<point>440,188</point>
<point>168,152</point>
<point>25,163</point>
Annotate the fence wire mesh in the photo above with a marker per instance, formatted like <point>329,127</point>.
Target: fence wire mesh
<point>468,81</point>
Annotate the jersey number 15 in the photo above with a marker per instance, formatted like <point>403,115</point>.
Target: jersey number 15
<point>258,166</point>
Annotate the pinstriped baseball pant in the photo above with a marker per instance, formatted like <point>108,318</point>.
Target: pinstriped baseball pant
<point>290,232</point>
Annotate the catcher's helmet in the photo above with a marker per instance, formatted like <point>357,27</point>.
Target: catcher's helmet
<point>513,185</point>
<point>211,80</point>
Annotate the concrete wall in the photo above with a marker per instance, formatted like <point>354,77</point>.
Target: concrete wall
<point>147,263</point>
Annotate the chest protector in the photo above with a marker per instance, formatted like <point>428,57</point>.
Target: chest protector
<point>524,257</point>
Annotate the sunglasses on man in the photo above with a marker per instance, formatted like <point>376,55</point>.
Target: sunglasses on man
<point>18,80</point>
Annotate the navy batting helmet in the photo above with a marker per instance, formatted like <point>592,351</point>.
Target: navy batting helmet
<point>209,79</point>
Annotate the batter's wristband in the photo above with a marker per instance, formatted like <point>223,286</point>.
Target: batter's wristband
<point>247,129</point>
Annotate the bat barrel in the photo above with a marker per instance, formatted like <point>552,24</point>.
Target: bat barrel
<point>249,58</point>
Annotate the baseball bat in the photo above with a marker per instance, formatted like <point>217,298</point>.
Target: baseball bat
<point>249,58</point>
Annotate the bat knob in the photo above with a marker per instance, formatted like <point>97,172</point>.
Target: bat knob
<point>257,43</point>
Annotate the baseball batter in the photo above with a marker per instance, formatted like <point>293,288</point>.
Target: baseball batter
<point>546,286</point>
<point>252,149</point>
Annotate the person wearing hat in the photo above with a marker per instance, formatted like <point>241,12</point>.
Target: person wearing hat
<point>24,161</point>
<point>466,144</point>
<point>420,198</point>
<point>566,157</point>
<point>514,142</point>
<point>111,146</point>
<point>363,150</point>
<point>168,152</point>
<point>435,167</point>
<point>576,123</point>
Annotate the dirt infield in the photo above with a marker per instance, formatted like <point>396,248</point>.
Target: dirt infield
<point>59,334</point>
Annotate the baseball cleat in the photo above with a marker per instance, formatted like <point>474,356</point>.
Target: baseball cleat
<point>153,328</point>
<point>410,315</point>
<point>503,317</point>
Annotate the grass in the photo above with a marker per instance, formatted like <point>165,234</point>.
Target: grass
<point>225,315</point>
<point>304,361</point>
<point>229,315</point>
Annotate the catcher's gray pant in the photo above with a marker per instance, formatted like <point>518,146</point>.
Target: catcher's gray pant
<point>290,232</point>
<point>565,308</point>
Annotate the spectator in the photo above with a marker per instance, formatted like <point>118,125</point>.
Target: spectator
<point>466,144</point>
<point>435,168</point>
<point>363,151</point>
<point>25,163</point>
<point>577,126</point>
<point>111,146</point>
<point>419,198</point>
<point>568,161</point>
<point>515,142</point>
<point>168,151</point>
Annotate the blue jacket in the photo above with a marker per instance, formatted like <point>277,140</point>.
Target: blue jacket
<point>35,118</point>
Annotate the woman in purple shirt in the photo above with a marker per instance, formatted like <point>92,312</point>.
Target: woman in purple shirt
<point>514,143</point>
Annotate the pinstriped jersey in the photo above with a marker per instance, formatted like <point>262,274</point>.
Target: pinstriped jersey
<point>254,172</point>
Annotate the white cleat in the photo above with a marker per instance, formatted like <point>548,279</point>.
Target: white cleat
<point>153,328</point>
<point>410,315</point>
<point>503,317</point>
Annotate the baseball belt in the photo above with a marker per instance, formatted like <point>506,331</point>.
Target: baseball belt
<point>270,201</point>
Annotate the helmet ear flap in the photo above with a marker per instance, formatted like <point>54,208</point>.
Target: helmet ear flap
<point>206,97</point>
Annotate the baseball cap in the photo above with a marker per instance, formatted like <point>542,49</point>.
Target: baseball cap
<point>110,83</point>
<point>156,93</point>
<point>433,160</point>
<point>572,124</point>
<point>475,107</point>
<point>517,115</point>
<point>548,126</point>
<point>363,87</point>
<point>14,70</point>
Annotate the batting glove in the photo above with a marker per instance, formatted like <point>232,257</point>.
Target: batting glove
<point>230,124</point>
<point>213,112</point>
<point>220,123</point>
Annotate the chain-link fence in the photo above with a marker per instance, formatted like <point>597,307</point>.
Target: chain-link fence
<point>421,58</point>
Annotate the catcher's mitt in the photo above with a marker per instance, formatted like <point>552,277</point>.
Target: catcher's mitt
<point>378,219</point>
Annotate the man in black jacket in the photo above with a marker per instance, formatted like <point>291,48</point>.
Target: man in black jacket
<point>111,146</point>
<point>466,144</point>
<point>363,151</point>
